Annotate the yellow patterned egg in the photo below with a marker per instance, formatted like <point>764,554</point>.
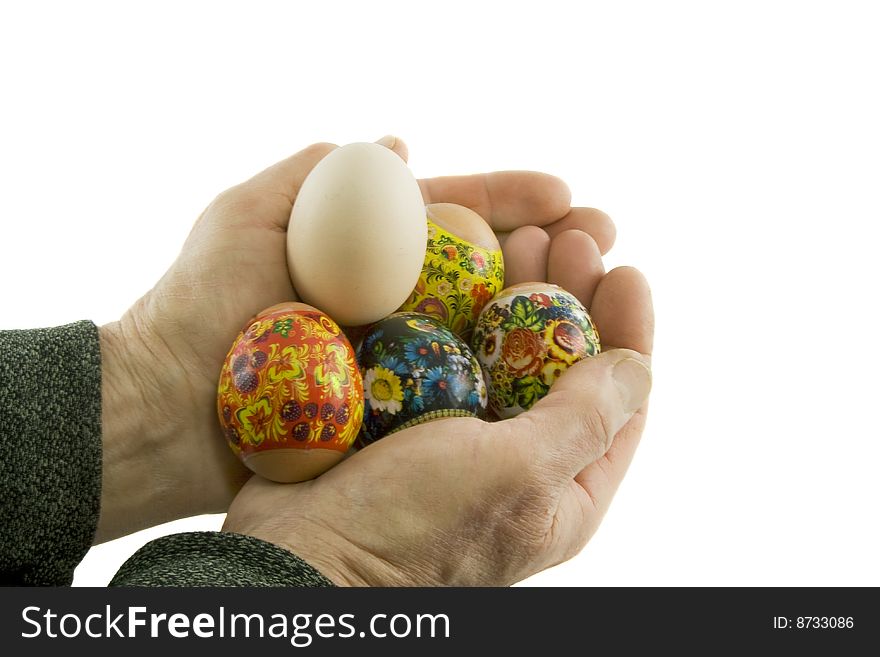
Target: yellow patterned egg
<point>463,268</point>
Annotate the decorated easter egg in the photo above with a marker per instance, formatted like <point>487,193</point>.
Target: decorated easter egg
<point>357,234</point>
<point>290,396</point>
<point>462,271</point>
<point>525,338</point>
<point>416,370</point>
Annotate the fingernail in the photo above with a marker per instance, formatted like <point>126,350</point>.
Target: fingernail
<point>388,141</point>
<point>633,380</point>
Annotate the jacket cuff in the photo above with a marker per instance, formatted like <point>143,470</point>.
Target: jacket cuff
<point>215,559</point>
<point>50,451</point>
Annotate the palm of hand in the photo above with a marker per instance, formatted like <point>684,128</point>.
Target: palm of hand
<point>234,265</point>
<point>231,267</point>
<point>484,510</point>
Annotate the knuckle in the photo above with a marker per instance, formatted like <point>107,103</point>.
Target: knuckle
<point>318,150</point>
<point>621,353</point>
<point>594,432</point>
<point>240,199</point>
<point>523,436</point>
<point>520,534</point>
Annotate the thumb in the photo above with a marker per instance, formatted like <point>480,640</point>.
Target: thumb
<point>576,422</point>
<point>268,197</point>
<point>287,176</point>
<point>395,144</point>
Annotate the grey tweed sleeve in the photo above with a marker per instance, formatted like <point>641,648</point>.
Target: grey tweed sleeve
<point>50,480</point>
<point>50,451</point>
<point>215,559</point>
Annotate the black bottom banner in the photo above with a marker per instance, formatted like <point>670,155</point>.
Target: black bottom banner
<point>436,621</point>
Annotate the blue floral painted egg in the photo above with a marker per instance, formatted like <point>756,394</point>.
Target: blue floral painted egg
<point>416,370</point>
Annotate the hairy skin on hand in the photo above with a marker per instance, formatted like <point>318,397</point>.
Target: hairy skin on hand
<point>164,454</point>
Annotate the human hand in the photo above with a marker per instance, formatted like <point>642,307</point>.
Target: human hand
<point>465,502</point>
<point>164,454</point>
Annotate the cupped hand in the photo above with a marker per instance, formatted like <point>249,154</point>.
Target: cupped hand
<point>464,502</point>
<point>164,454</point>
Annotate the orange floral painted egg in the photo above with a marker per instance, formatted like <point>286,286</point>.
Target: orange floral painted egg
<point>290,397</point>
<point>525,338</point>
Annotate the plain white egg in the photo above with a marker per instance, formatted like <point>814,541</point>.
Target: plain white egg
<point>358,233</point>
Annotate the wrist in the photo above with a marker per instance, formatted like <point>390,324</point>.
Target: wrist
<point>140,487</point>
<point>321,555</point>
<point>338,562</point>
<point>255,513</point>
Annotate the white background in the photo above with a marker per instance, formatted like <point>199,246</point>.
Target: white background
<point>736,145</point>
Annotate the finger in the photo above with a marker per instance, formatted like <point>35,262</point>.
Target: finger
<point>575,424</point>
<point>395,144</point>
<point>623,311</point>
<point>575,264</point>
<point>505,199</point>
<point>525,252</point>
<point>594,222</point>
